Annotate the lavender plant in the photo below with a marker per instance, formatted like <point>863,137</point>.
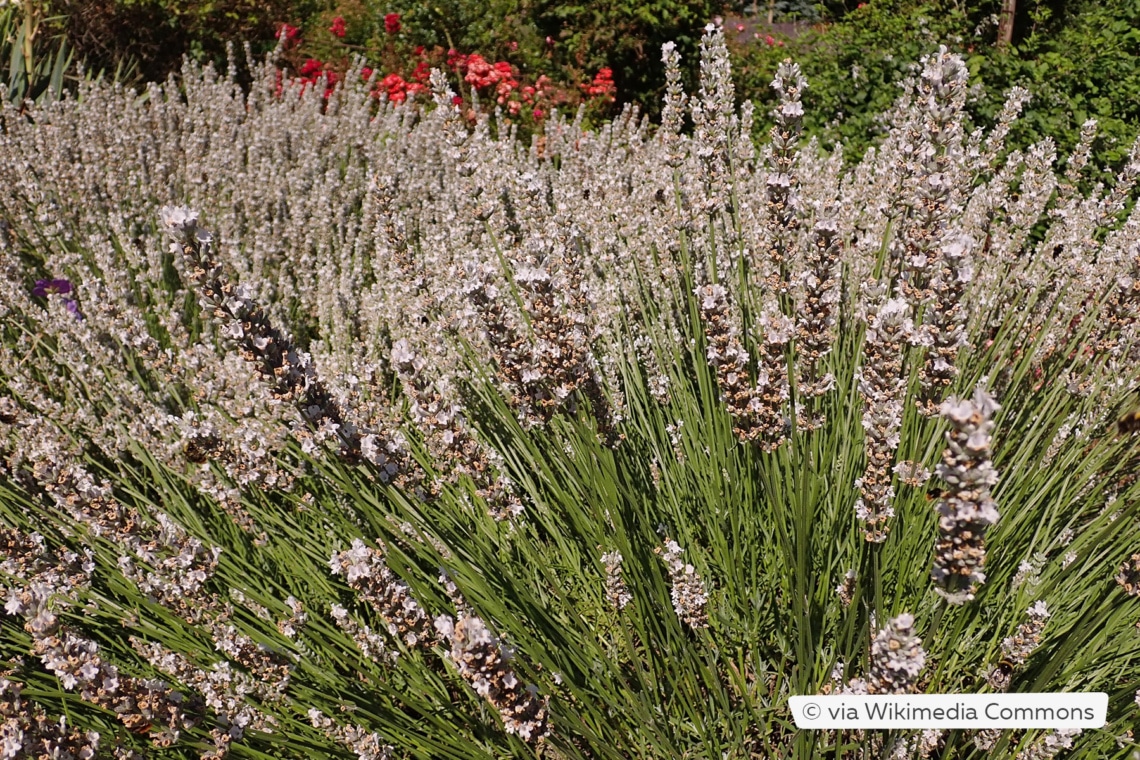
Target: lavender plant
<point>345,430</point>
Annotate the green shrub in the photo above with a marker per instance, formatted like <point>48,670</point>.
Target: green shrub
<point>625,35</point>
<point>153,36</point>
<point>1078,64</point>
<point>1081,64</point>
<point>853,67</point>
<point>499,29</point>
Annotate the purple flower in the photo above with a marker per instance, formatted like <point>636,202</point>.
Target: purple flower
<point>46,287</point>
<point>72,306</point>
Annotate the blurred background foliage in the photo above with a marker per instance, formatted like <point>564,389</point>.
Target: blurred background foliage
<point>150,37</point>
<point>1080,59</point>
<point>37,55</point>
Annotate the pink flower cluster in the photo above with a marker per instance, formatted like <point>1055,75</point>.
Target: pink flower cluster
<point>500,79</point>
<point>769,40</point>
<point>540,91</point>
<point>397,88</point>
<point>481,74</point>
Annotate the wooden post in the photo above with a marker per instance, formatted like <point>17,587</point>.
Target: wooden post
<point>1005,23</point>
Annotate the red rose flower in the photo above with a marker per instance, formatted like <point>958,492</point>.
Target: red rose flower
<point>392,23</point>
<point>311,68</point>
<point>602,86</point>
<point>330,83</point>
<point>288,33</point>
<point>337,27</point>
<point>396,87</point>
<point>478,71</point>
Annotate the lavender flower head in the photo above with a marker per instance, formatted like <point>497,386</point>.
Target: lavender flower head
<point>673,113</point>
<point>1017,648</point>
<point>713,117</point>
<point>617,593</point>
<point>690,597</point>
<point>484,662</point>
<point>967,509</point>
<point>1129,576</point>
<point>180,221</point>
<point>364,569</point>
<point>243,322</point>
<point>883,389</point>
<point>897,657</point>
